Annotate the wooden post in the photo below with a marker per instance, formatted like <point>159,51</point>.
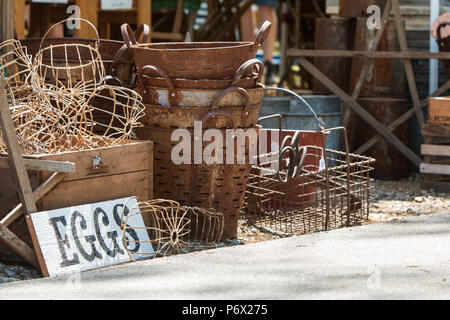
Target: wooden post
<point>14,152</point>
<point>7,16</point>
<point>144,14</point>
<point>19,18</point>
<point>89,11</point>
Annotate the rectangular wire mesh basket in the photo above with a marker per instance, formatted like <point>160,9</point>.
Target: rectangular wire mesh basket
<point>330,191</point>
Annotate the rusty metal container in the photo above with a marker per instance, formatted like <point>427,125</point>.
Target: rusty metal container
<point>220,187</point>
<point>333,34</point>
<point>243,115</point>
<point>195,60</point>
<point>390,164</point>
<point>386,77</point>
<point>198,97</point>
<point>151,76</point>
<point>358,8</point>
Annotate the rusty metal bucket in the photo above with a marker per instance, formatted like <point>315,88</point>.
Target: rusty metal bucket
<point>117,59</point>
<point>254,67</point>
<point>243,115</point>
<point>195,60</point>
<point>220,187</point>
<point>169,96</point>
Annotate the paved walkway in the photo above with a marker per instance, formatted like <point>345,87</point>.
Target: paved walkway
<point>397,260</point>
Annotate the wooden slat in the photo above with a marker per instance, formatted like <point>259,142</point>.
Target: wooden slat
<point>19,18</point>
<point>435,150</point>
<point>14,152</point>
<point>407,63</point>
<point>41,165</point>
<point>144,14</point>
<point>7,22</point>
<point>436,130</point>
<point>381,129</point>
<point>415,55</point>
<point>38,194</point>
<point>435,168</point>
<point>15,243</point>
<point>115,160</point>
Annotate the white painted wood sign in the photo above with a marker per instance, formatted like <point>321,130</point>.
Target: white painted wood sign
<point>51,1</point>
<point>116,4</point>
<point>86,237</point>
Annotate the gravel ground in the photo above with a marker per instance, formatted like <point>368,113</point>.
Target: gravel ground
<point>393,200</point>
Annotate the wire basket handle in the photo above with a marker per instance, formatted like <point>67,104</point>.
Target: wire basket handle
<point>72,19</point>
<point>243,69</point>
<point>320,123</point>
<point>146,71</point>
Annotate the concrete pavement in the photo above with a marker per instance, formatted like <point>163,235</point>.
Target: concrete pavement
<point>408,259</point>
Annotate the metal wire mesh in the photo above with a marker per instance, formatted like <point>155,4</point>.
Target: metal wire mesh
<point>173,229</point>
<point>331,191</point>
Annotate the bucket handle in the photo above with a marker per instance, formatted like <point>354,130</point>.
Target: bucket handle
<point>442,25</point>
<point>263,33</point>
<point>71,19</point>
<point>215,113</point>
<point>241,91</point>
<point>245,67</point>
<point>173,95</point>
<point>144,32</point>
<point>128,35</point>
<point>319,121</point>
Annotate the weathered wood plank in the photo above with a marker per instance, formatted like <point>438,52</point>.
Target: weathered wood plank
<point>14,152</point>
<point>114,160</point>
<point>436,130</point>
<point>415,55</point>
<point>435,168</point>
<point>38,194</point>
<point>41,165</point>
<point>15,243</point>
<point>435,150</point>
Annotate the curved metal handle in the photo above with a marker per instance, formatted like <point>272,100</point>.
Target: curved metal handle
<point>241,91</point>
<point>215,113</point>
<point>442,25</point>
<point>146,71</point>
<point>243,69</point>
<point>128,35</point>
<point>71,19</point>
<point>144,32</point>
<point>263,33</point>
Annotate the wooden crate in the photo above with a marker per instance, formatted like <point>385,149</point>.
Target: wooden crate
<point>439,110</point>
<point>436,152</point>
<point>126,170</point>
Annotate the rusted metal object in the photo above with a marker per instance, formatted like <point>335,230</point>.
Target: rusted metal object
<point>241,78</point>
<point>220,187</point>
<point>444,46</point>
<point>391,164</point>
<point>169,96</point>
<point>195,60</point>
<point>386,77</point>
<point>358,8</point>
<point>333,34</point>
<point>185,117</point>
<point>332,191</point>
